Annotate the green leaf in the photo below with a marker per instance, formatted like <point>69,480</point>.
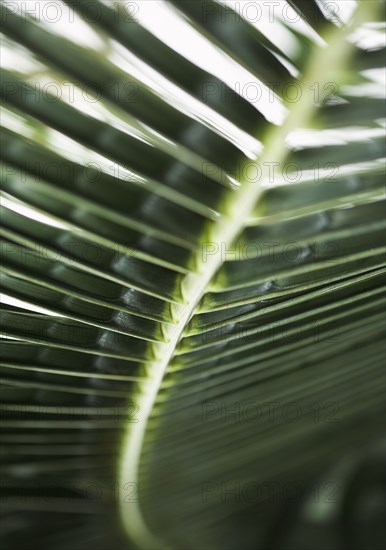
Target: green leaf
<point>166,314</point>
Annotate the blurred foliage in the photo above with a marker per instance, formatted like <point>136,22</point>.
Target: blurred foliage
<point>179,268</point>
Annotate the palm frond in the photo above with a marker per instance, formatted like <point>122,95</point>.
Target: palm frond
<point>194,292</point>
